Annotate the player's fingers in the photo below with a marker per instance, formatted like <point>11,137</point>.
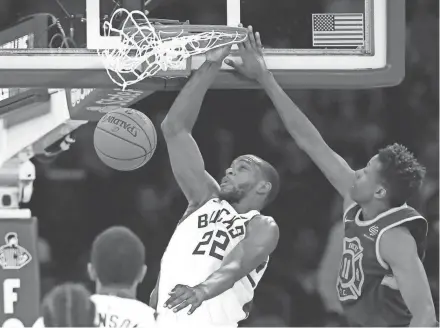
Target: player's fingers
<point>251,37</point>
<point>181,306</point>
<point>194,307</point>
<point>231,63</point>
<point>247,43</point>
<point>176,288</point>
<point>177,291</point>
<point>176,301</point>
<point>174,295</point>
<point>241,47</point>
<point>238,68</point>
<point>258,42</point>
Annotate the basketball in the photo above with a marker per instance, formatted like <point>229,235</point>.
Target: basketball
<point>125,139</point>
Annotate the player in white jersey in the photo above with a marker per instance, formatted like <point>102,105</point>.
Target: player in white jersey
<point>221,246</point>
<point>117,267</point>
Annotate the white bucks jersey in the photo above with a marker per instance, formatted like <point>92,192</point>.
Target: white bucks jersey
<point>197,249</point>
<point>118,312</point>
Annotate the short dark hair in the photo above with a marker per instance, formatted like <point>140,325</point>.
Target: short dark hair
<point>68,305</point>
<point>271,175</point>
<point>402,173</point>
<point>118,256</point>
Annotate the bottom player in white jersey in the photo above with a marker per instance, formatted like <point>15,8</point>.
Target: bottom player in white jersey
<point>221,246</point>
<point>117,267</point>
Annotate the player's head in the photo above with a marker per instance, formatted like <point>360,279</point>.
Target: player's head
<point>117,259</point>
<point>391,176</point>
<point>250,176</point>
<point>68,305</point>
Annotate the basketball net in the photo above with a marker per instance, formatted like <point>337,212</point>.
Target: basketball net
<point>146,49</point>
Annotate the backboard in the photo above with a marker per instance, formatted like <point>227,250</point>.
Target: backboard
<point>308,44</point>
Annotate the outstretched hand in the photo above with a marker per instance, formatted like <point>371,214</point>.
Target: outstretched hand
<point>251,52</point>
<point>217,55</point>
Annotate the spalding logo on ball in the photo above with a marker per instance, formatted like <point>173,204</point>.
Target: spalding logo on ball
<point>125,139</point>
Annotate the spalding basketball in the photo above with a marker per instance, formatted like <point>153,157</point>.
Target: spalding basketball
<point>125,139</point>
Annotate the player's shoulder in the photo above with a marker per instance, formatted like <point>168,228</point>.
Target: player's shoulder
<point>265,219</point>
<point>263,222</point>
<point>397,241</point>
<point>396,236</point>
<point>263,231</point>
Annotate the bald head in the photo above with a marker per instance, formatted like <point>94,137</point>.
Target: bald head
<point>268,173</point>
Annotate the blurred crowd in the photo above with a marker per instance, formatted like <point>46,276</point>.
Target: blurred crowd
<point>76,196</point>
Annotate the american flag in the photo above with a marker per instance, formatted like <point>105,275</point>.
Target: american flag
<point>338,30</point>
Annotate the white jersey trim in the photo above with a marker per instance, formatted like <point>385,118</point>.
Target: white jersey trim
<point>344,216</point>
<point>391,282</point>
<point>378,256</point>
<point>380,216</point>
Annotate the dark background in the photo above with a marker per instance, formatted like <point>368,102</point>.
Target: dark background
<point>76,196</point>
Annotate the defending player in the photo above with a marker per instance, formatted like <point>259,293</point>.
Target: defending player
<point>381,281</point>
<point>220,248</point>
<point>117,267</point>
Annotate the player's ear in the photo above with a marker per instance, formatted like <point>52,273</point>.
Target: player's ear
<point>381,192</point>
<point>142,273</point>
<point>264,187</point>
<point>91,271</point>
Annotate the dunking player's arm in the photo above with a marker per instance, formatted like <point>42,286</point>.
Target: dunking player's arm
<point>260,241</point>
<point>398,249</point>
<point>334,167</point>
<point>185,157</point>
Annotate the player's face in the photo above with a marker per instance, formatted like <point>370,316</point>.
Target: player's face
<point>241,177</point>
<point>367,184</point>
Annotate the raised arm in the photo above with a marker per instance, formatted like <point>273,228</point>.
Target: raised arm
<point>261,239</point>
<point>334,167</point>
<point>398,249</point>
<point>186,161</point>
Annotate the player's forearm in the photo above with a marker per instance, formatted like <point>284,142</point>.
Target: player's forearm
<point>424,317</point>
<point>296,123</point>
<point>222,280</point>
<point>185,110</point>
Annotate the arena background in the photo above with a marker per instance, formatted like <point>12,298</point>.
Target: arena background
<point>76,196</point>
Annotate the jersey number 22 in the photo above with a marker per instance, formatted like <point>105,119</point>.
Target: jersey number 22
<point>218,246</point>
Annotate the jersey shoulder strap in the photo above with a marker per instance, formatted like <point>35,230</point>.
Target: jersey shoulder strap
<point>350,213</point>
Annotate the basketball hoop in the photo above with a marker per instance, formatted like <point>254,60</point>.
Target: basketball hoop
<point>148,47</point>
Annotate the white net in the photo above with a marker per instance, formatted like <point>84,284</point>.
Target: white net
<point>145,50</point>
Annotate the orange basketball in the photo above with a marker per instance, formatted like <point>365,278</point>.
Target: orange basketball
<point>125,139</point>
